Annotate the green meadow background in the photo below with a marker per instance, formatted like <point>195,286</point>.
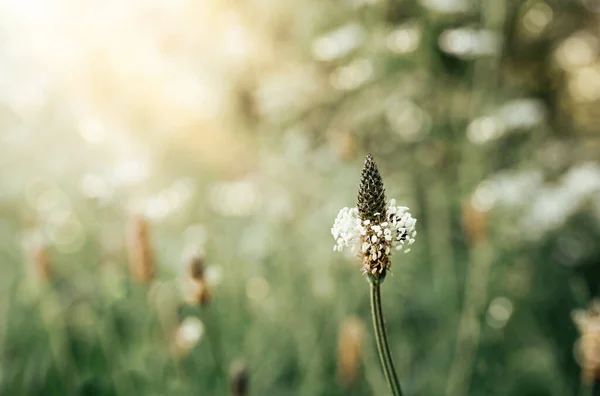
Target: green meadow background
<point>239,129</point>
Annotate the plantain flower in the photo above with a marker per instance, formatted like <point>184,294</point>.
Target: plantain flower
<point>374,229</point>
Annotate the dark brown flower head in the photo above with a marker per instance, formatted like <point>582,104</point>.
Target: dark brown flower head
<point>199,289</point>
<point>239,379</point>
<point>196,267</point>
<point>371,193</point>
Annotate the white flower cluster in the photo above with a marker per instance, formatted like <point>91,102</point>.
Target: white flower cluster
<point>375,238</point>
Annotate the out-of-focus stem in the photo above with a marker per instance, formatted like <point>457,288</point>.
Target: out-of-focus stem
<point>216,346</point>
<point>586,387</point>
<point>387,362</point>
<point>469,328</point>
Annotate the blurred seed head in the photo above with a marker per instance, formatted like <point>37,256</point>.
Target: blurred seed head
<point>196,267</point>
<point>139,249</point>
<point>36,251</point>
<point>198,289</point>
<point>587,348</point>
<point>350,348</point>
<point>197,293</point>
<point>474,222</point>
<point>343,142</point>
<point>239,379</point>
<point>41,261</point>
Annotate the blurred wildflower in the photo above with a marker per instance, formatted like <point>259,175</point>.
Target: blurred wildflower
<point>475,223</point>
<point>35,248</point>
<point>499,312</point>
<point>95,186</point>
<point>169,200</point>
<point>353,75</point>
<point>257,288</point>
<point>537,18</point>
<point>373,228</point>
<point>522,113</point>
<point>584,84</point>
<point>343,142</point>
<point>448,6</point>
<point>141,256</point>
<point>350,345</point>
<point>40,264</point>
<point>196,267</point>
<point>339,42</point>
<point>468,43</point>
<point>484,129</point>
<point>553,204</point>
<point>188,334</point>
<point>286,93</point>
<point>214,275</point>
<point>407,119</point>
<point>237,198</point>
<point>579,50</point>
<point>405,38</point>
<point>199,290</point>
<point>588,345</point>
<point>239,379</point>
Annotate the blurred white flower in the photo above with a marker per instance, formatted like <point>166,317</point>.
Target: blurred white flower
<point>542,207</point>
<point>353,75</point>
<point>469,42</point>
<point>484,129</point>
<point>339,42</point>
<point>189,333</point>
<point>537,18</point>
<point>407,119</point>
<point>578,50</point>
<point>499,312</point>
<point>405,38</point>
<point>238,198</point>
<point>517,114</point>
<point>448,6</point>
<point>522,113</point>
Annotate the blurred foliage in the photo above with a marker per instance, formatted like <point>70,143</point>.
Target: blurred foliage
<point>238,130</point>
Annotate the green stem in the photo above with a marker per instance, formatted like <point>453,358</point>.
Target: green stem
<point>586,387</point>
<point>382,344</point>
